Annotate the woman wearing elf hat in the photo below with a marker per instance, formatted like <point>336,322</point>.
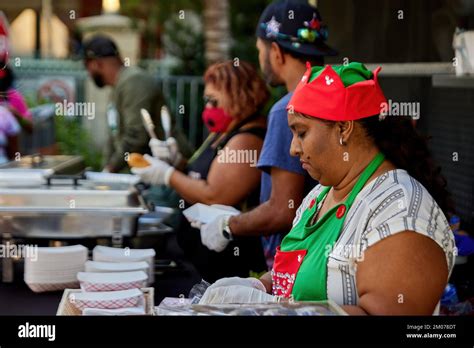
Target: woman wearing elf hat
<point>372,236</point>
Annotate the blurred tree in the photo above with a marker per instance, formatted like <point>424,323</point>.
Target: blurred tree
<point>244,16</point>
<point>228,30</point>
<point>183,40</point>
<point>217,30</point>
<point>169,29</point>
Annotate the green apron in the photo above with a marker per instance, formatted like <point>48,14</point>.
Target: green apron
<point>300,267</point>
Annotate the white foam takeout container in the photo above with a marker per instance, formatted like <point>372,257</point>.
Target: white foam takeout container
<point>206,213</point>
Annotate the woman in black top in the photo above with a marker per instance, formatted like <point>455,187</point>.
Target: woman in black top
<point>223,171</point>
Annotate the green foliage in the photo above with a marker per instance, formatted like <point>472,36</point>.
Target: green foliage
<point>184,40</point>
<point>244,16</point>
<point>187,45</point>
<point>73,139</point>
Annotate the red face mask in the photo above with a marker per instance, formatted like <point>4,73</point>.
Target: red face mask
<point>216,119</point>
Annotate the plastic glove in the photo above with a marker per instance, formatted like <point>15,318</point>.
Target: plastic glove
<point>212,234</point>
<point>248,282</point>
<point>167,150</point>
<point>235,294</point>
<point>157,173</point>
<point>198,223</point>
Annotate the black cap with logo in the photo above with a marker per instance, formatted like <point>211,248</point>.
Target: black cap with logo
<point>100,46</point>
<point>296,26</point>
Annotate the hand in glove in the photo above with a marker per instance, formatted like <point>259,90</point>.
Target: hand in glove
<point>235,294</point>
<point>166,150</point>
<point>198,223</point>
<point>157,173</point>
<point>212,234</point>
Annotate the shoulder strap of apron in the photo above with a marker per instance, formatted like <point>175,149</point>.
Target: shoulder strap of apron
<point>366,174</point>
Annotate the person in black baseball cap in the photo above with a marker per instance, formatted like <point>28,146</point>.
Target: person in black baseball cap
<point>297,27</point>
<point>291,28</point>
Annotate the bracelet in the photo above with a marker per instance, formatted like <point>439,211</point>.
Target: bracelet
<point>226,231</point>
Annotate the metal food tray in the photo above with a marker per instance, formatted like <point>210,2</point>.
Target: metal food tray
<point>48,165</point>
<point>288,308</point>
<point>53,212</point>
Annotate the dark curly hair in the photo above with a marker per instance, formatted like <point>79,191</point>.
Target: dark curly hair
<point>400,142</point>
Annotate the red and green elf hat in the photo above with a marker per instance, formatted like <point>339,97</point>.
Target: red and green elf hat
<point>338,93</point>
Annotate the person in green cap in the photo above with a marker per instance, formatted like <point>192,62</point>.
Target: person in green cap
<point>373,235</point>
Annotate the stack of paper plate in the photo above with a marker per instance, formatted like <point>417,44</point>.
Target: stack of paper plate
<point>51,269</point>
<point>107,299</point>
<point>114,281</point>
<point>102,267</point>
<point>108,254</point>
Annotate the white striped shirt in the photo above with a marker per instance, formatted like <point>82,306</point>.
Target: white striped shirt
<point>394,202</point>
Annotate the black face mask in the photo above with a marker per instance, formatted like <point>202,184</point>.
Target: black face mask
<point>98,80</point>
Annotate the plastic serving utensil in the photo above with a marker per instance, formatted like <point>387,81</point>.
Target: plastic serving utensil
<point>166,121</point>
<point>148,123</point>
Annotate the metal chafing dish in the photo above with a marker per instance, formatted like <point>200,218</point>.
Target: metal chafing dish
<point>85,208</point>
<point>77,207</point>
<point>68,212</point>
<point>47,165</point>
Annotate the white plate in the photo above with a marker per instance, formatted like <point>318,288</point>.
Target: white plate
<point>120,311</point>
<point>63,250</point>
<point>51,280</point>
<point>41,270</point>
<point>113,277</point>
<point>68,255</point>
<point>103,253</point>
<point>43,287</point>
<point>207,213</point>
<point>106,299</point>
<point>99,177</point>
<point>114,281</point>
<point>98,266</point>
<point>107,295</point>
<point>122,254</point>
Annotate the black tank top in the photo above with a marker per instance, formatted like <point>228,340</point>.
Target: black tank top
<point>202,163</point>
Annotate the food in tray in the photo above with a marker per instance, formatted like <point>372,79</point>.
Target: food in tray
<point>113,281</point>
<point>138,161</point>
